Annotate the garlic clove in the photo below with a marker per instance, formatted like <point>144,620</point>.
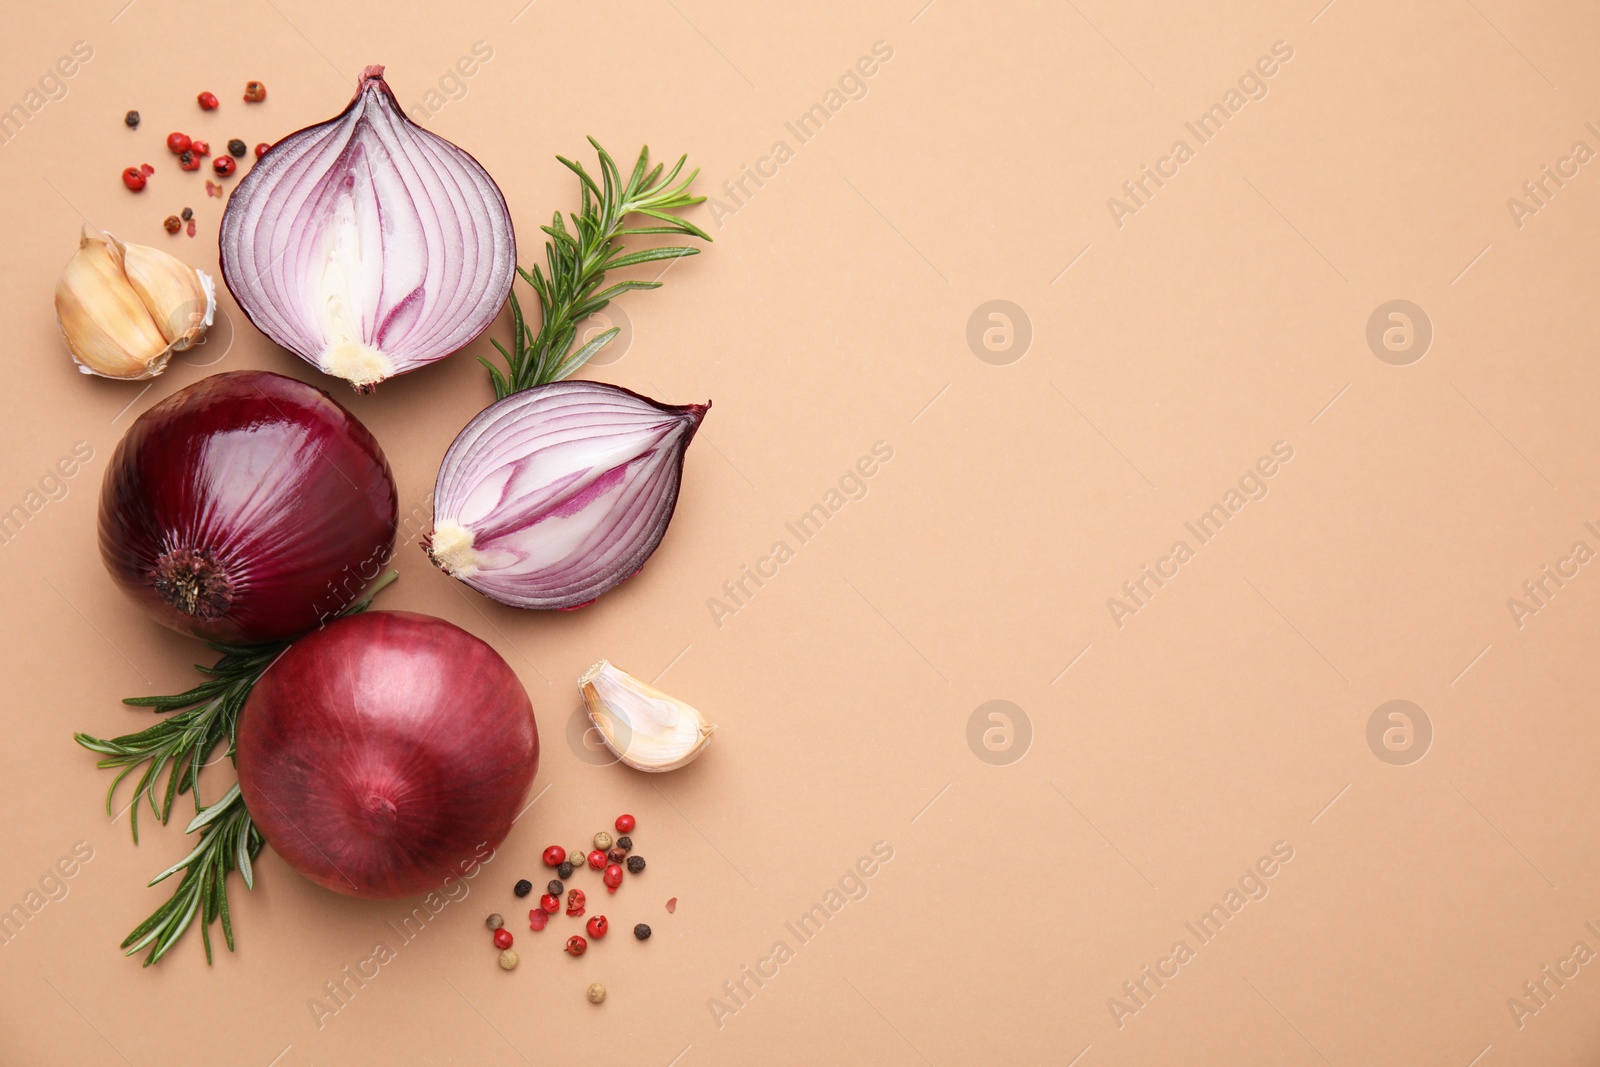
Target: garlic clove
<point>181,299</point>
<point>104,321</point>
<point>646,729</point>
<point>124,308</point>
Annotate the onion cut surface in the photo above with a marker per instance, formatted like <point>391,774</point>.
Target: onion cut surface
<point>556,494</point>
<point>367,245</point>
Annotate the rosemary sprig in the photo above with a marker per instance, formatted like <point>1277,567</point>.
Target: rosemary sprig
<point>577,261</point>
<point>179,745</point>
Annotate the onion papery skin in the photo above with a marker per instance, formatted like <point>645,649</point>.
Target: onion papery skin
<point>367,245</point>
<point>557,494</point>
<point>246,507</point>
<point>381,753</point>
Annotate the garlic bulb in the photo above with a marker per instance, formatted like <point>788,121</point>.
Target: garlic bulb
<point>125,308</point>
<point>648,730</point>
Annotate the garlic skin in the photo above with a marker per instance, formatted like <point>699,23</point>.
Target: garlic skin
<point>125,308</point>
<point>646,729</point>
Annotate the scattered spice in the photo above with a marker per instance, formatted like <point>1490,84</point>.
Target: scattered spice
<point>133,178</point>
<point>625,843</point>
<point>178,143</point>
<point>617,855</point>
<point>208,101</point>
<point>254,92</point>
<point>554,856</point>
<point>236,148</point>
<point>494,921</point>
<point>597,859</point>
<point>578,857</point>
<point>188,160</point>
<point>132,120</point>
<point>146,169</point>
<point>565,870</point>
<point>261,149</point>
<point>597,993</point>
<point>625,824</point>
<point>502,938</point>
<point>612,878</point>
<point>173,224</point>
<point>191,227</point>
<point>200,148</point>
<point>508,960</point>
<point>642,932</point>
<point>672,905</point>
<point>575,902</point>
<point>537,918</point>
<point>576,946</point>
<point>555,888</point>
<point>212,188</point>
<point>188,213</point>
<point>597,927</point>
<point>522,888</point>
<point>602,840</point>
<point>636,864</point>
<point>550,903</point>
<point>224,165</point>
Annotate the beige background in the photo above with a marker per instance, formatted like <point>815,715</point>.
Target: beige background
<point>1164,756</point>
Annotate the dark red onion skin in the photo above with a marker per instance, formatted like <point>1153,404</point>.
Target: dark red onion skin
<point>247,507</point>
<point>380,753</point>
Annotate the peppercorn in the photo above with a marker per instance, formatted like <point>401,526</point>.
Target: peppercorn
<point>502,938</point>
<point>555,888</point>
<point>236,148</point>
<point>188,160</point>
<point>145,169</point>
<point>550,903</point>
<point>642,932</point>
<point>602,840</point>
<point>576,946</point>
<point>575,902</point>
<point>132,119</point>
<point>578,857</point>
<point>617,855</point>
<point>178,143</point>
<point>254,92</point>
<point>613,877</point>
<point>508,960</point>
<point>173,224</point>
<point>200,148</point>
<point>565,870</point>
<point>635,864</point>
<point>208,101</point>
<point>625,843</point>
<point>494,922</point>
<point>596,993</point>
<point>597,859</point>
<point>555,856</point>
<point>537,918</point>
<point>188,213</point>
<point>522,888</point>
<point>224,165</point>
<point>597,927</point>
<point>261,149</point>
<point>625,824</point>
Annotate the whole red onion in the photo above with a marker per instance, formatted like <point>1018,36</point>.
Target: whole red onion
<point>247,507</point>
<point>383,751</point>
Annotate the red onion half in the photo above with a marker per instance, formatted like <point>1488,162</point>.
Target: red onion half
<point>380,753</point>
<point>366,245</point>
<point>557,494</point>
<point>247,507</point>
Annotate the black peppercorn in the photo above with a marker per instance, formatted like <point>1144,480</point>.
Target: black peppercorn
<point>625,843</point>
<point>635,864</point>
<point>132,119</point>
<point>188,213</point>
<point>236,148</point>
<point>523,888</point>
<point>565,870</point>
<point>616,855</point>
<point>555,888</point>
<point>642,932</point>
